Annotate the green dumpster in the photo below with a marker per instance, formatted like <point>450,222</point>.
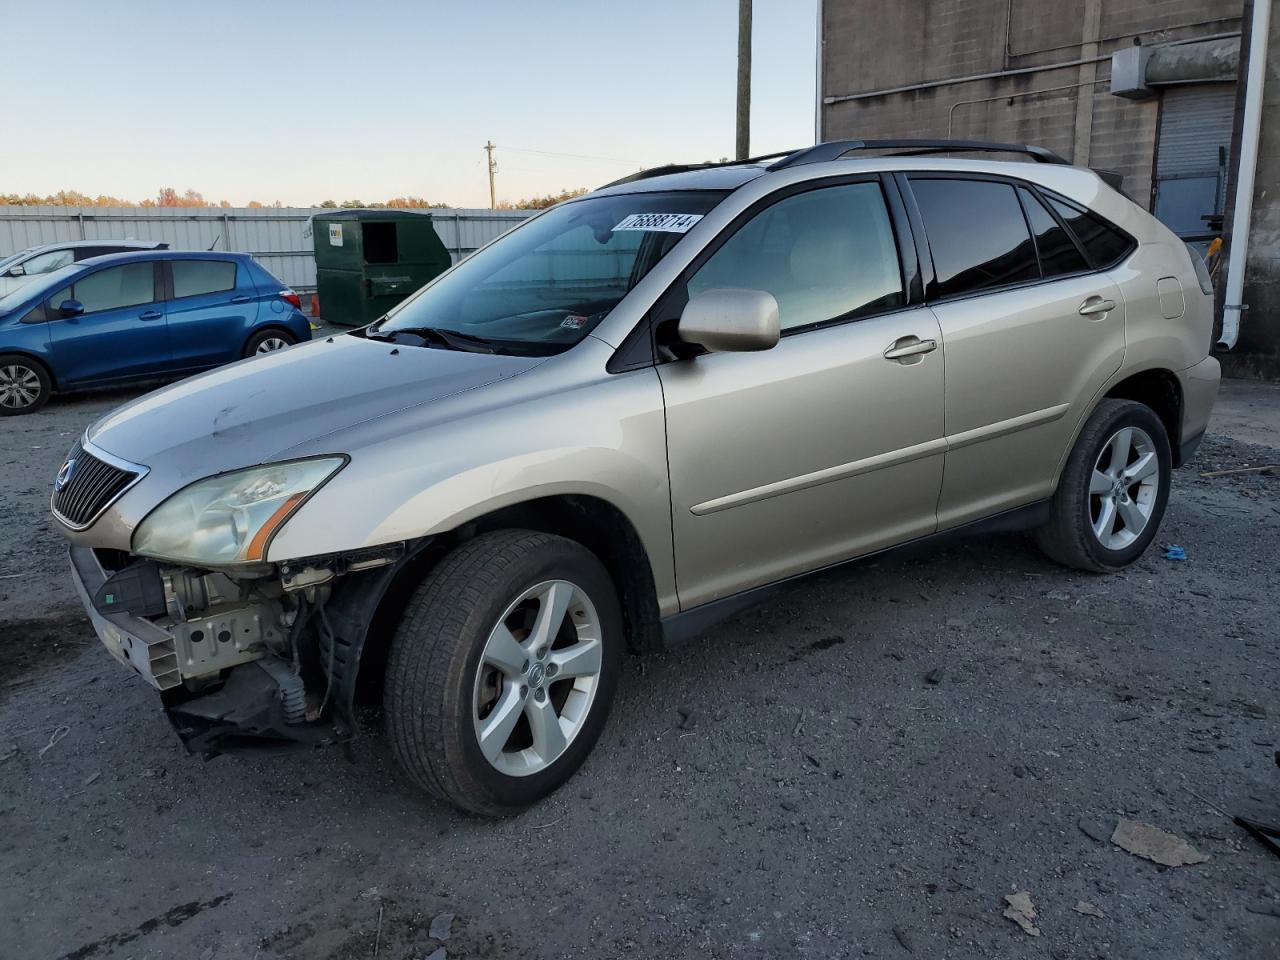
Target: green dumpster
<point>367,261</point>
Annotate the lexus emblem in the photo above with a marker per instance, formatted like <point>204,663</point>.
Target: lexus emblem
<point>64,475</point>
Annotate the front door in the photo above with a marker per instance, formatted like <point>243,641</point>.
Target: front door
<point>120,335</point>
<point>822,448</point>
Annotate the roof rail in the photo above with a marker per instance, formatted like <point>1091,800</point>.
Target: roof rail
<point>836,149</point>
<point>685,167</point>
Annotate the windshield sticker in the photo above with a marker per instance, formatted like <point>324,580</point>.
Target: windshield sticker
<point>660,222</point>
<point>573,321</point>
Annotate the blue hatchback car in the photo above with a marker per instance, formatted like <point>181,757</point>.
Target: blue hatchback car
<point>130,317</point>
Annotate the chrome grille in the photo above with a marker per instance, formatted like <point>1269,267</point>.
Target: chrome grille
<point>91,487</point>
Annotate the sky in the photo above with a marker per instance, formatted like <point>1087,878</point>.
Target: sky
<point>306,101</point>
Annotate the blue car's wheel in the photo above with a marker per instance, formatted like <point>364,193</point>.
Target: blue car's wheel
<point>268,341</point>
<point>24,385</point>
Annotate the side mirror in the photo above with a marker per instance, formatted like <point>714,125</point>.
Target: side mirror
<point>16,270</point>
<point>71,308</point>
<point>731,319</point>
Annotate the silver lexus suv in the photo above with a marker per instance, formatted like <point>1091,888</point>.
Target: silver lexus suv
<point>623,419</point>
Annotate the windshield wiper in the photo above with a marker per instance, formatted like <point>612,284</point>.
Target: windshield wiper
<point>449,339</point>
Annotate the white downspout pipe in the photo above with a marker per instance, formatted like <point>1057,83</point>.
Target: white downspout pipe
<point>1259,38</point>
<point>819,49</point>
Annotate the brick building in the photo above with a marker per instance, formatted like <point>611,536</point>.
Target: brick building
<point>1151,89</point>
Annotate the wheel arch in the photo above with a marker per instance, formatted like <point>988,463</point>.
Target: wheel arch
<point>42,362</point>
<point>1159,389</point>
<point>378,597</point>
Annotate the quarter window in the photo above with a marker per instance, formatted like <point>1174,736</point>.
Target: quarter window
<point>1104,243</point>
<point>823,254</point>
<point>977,235</point>
<point>1059,254</point>
<point>127,285</point>
<point>194,277</point>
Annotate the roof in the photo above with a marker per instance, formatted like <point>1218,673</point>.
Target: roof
<point>164,255</point>
<point>102,242</point>
<point>850,155</point>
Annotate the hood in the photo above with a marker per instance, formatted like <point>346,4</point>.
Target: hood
<point>10,284</point>
<point>250,411</point>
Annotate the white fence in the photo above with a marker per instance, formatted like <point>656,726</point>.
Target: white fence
<point>276,237</point>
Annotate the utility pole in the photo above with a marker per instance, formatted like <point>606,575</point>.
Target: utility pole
<point>493,168</point>
<point>744,79</point>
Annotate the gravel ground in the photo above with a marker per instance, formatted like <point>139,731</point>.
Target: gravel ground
<point>863,765</point>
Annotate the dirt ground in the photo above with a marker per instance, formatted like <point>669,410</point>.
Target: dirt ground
<point>864,765</point>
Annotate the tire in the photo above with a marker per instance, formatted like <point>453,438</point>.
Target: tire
<point>444,687</point>
<point>1105,530</point>
<point>268,341</point>
<point>25,385</point>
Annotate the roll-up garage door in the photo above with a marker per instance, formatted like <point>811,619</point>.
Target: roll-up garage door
<point>1191,156</point>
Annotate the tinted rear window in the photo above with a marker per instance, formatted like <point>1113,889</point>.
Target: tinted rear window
<point>1059,254</point>
<point>977,235</point>
<point>194,277</point>
<point>1103,242</point>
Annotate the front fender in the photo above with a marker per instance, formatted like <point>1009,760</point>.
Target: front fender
<point>605,438</point>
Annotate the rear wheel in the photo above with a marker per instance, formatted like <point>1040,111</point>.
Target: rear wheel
<point>268,341</point>
<point>1113,492</point>
<point>503,669</point>
<point>25,385</point>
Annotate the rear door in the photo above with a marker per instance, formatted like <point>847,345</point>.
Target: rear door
<point>1031,332</point>
<point>120,335</point>
<point>830,444</point>
<point>212,305</point>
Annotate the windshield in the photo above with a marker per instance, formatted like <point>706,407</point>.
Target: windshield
<point>545,286</point>
<point>37,288</point>
<point>11,258</point>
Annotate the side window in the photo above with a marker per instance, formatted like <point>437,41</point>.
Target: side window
<point>1059,254</point>
<point>47,262</point>
<point>977,235</point>
<point>124,286</point>
<point>1103,242</point>
<point>824,254</point>
<point>194,277</point>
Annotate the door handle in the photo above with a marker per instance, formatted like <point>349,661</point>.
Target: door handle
<point>1095,306</point>
<point>904,348</point>
<point>242,298</point>
<point>150,315</point>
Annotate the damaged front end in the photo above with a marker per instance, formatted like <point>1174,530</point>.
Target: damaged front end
<point>244,657</point>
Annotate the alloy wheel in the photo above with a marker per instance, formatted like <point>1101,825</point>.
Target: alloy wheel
<point>271,344</point>
<point>537,678</point>
<point>1123,488</point>
<point>19,386</point>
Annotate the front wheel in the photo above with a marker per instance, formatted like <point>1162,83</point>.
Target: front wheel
<point>502,670</point>
<point>24,385</point>
<point>1112,494</point>
<point>268,341</point>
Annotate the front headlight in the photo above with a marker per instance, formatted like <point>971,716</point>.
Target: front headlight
<point>231,518</point>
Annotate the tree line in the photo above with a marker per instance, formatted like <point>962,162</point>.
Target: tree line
<point>169,197</point>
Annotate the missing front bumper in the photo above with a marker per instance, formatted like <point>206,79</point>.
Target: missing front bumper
<point>253,703</point>
<point>258,706</point>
